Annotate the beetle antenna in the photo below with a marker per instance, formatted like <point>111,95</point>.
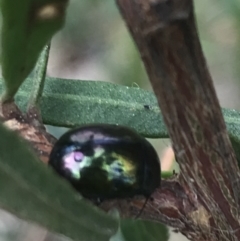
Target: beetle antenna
<point>144,205</point>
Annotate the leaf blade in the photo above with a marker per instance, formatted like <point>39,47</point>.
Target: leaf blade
<point>143,230</point>
<point>70,103</point>
<point>27,28</point>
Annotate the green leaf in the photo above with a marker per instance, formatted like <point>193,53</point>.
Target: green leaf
<point>30,190</point>
<point>142,230</point>
<point>70,103</point>
<point>27,27</point>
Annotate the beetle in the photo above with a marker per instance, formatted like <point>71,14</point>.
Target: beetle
<point>104,161</point>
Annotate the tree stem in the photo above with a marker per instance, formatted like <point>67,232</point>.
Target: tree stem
<point>167,38</point>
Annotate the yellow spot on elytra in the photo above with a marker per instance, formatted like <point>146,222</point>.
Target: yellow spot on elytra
<point>128,166</point>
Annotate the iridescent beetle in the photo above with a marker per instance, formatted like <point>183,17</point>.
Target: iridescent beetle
<point>107,161</point>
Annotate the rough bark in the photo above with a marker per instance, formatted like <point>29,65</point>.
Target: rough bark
<point>30,127</point>
<point>166,36</point>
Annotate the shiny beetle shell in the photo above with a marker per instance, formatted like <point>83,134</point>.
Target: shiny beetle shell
<point>107,161</point>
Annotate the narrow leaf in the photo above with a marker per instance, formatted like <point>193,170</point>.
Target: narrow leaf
<point>27,27</point>
<point>70,103</point>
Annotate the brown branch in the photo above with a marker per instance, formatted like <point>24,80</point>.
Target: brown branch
<point>29,127</point>
<point>163,202</point>
<point>165,33</point>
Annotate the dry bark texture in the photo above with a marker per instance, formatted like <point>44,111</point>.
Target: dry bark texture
<point>166,35</point>
<point>203,201</point>
<point>30,127</point>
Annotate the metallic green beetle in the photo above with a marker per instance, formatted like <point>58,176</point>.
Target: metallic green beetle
<point>107,161</point>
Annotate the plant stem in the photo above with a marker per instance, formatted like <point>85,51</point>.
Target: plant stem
<point>166,36</point>
<point>39,78</point>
